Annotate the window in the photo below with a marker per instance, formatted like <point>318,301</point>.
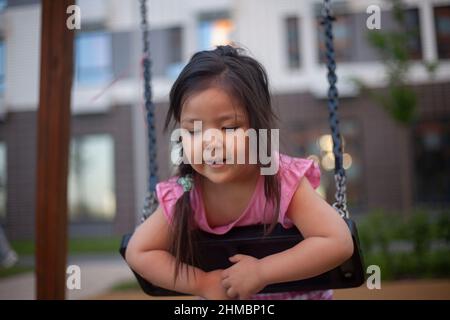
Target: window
<point>213,30</point>
<point>293,42</point>
<point>351,36</point>
<point>175,52</point>
<point>2,66</point>
<point>3,4</point>
<point>91,179</point>
<point>2,180</point>
<point>343,32</point>
<point>412,26</point>
<point>442,22</point>
<point>432,162</point>
<point>93,57</point>
<point>166,46</point>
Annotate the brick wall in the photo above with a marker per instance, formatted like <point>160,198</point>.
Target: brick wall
<point>19,134</point>
<point>387,165</point>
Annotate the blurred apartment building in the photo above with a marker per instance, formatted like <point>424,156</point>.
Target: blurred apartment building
<point>388,166</point>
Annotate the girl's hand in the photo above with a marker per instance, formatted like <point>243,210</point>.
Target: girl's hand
<point>211,286</point>
<point>243,279</point>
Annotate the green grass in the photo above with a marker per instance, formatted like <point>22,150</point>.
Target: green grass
<point>97,245</point>
<point>14,271</point>
<point>126,286</point>
<point>85,245</point>
<point>109,245</point>
<point>23,247</point>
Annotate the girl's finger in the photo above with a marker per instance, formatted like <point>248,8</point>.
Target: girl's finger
<point>232,293</point>
<point>236,257</point>
<point>226,283</point>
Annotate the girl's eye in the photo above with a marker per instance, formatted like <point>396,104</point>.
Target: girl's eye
<point>230,128</point>
<point>224,128</point>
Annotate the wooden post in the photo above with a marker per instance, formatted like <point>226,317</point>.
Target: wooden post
<point>53,149</point>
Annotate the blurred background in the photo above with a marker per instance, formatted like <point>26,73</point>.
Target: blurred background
<point>394,114</point>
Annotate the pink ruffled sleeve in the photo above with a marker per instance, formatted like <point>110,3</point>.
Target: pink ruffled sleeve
<point>292,170</point>
<point>168,192</point>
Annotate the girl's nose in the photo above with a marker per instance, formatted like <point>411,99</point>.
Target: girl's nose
<point>213,143</point>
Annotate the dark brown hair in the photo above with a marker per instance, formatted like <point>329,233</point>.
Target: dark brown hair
<point>246,80</point>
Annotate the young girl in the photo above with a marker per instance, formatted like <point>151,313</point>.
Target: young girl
<point>227,90</point>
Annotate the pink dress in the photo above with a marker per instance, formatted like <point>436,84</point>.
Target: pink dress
<point>291,170</point>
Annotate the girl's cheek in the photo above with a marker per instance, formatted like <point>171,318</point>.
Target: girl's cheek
<point>192,149</point>
<point>242,148</point>
<point>187,150</point>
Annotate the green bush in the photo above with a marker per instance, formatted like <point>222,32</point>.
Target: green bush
<point>379,231</point>
<point>441,228</point>
<point>439,263</point>
<point>420,232</point>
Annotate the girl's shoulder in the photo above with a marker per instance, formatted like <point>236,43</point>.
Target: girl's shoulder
<point>292,169</point>
<point>290,173</point>
<point>168,192</point>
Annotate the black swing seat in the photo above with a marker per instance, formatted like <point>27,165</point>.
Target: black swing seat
<point>214,251</point>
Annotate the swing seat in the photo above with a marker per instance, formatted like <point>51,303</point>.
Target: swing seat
<point>214,251</point>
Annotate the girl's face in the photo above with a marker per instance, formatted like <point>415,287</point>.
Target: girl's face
<point>214,108</point>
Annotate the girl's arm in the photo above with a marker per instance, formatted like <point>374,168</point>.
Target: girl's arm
<point>328,243</point>
<point>147,254</point>
<point>327,240</point>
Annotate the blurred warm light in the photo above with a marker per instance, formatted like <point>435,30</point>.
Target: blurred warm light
<point>326,143</point>
<point>221,32</point>
<point>347,161</point>
<point>328,161</point>
<point>314,158</point>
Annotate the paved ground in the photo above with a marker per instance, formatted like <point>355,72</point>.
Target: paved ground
<point>101,272</point>
<point>398,290</point>
<point>98,274</point>
<point>406,289</point>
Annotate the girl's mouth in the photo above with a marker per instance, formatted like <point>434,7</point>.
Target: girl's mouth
<point>216,163</point>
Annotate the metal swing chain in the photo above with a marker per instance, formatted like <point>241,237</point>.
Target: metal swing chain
<point>150,202</point>
<point>339,173</point>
